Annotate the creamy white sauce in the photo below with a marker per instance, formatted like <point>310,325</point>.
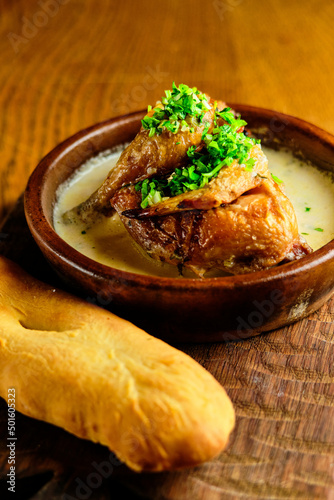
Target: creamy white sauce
<point>109,243</point>
<point>311,192</point>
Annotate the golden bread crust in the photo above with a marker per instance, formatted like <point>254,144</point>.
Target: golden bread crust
<point>101,378</point>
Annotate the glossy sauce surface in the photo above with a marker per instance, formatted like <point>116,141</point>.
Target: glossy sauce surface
<point>310,190</point>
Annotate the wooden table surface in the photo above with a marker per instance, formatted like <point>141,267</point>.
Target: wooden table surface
<point>67,64</point>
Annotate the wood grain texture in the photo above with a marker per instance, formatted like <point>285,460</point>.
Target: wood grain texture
<point>86,61</point>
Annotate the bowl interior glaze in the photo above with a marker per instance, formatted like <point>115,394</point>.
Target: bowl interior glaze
<point>182,310</point>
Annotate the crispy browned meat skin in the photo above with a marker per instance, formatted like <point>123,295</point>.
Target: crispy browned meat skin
<point>230,183</point>
<point>255,232</point>
<point>143,158</point>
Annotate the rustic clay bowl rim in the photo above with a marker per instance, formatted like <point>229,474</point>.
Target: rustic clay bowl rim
<point>47,236</point>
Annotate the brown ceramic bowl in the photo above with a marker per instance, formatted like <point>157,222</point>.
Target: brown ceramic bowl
<point>186,309</point>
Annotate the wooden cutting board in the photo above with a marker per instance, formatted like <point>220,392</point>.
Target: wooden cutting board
<point>282,387</point>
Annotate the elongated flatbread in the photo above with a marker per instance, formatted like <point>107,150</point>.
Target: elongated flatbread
<point>99,377</point>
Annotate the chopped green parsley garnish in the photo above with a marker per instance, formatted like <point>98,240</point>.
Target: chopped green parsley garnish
<point>306,234</point>
<point>228,116</point>
<point>319,229</point>
<point>307,209</point>
<point>221,147</point>
<point>276,179</point>
<point>179,103</point>
<point>151,191</point>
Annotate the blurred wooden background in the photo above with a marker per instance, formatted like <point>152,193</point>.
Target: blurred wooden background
<point>67,64</point>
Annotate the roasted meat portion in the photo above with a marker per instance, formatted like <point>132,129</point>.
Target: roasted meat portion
<point>147,155</point>
<point>231,182</point>
<point>256,231</point>
<point>193,189</point>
